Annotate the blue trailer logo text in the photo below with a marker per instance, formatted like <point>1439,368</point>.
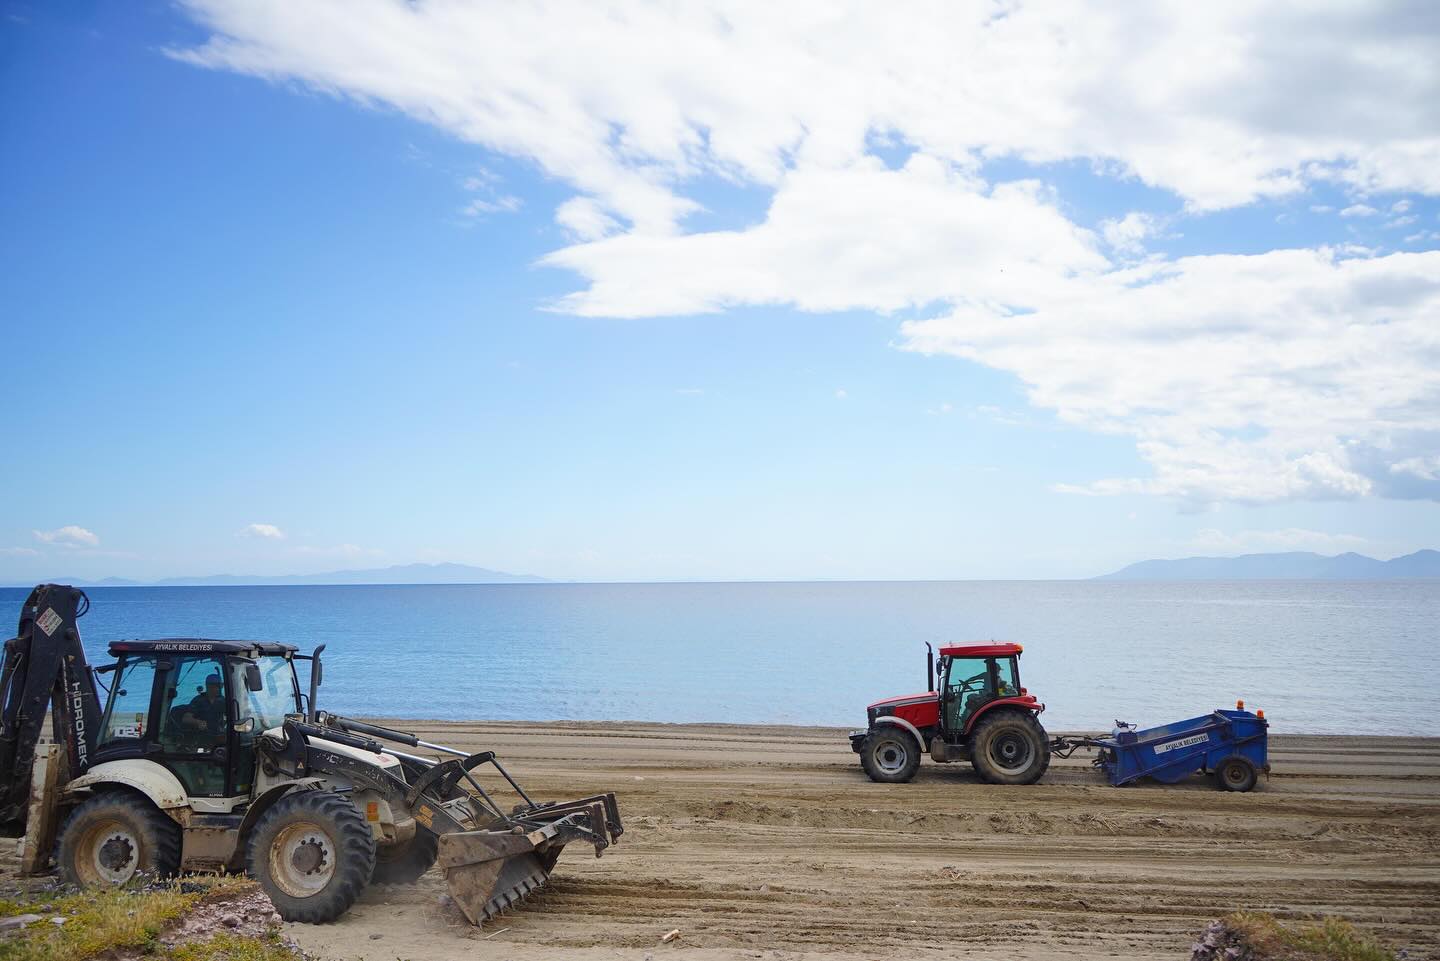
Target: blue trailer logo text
<point>1183,742</point>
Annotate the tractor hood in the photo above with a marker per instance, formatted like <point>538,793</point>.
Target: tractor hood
<point>904,699</point>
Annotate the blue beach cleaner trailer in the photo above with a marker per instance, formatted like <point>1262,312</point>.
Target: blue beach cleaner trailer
<point>1232,745</point>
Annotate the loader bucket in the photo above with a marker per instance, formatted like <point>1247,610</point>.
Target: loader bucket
<point>492,869</point>
<point>488,872</point>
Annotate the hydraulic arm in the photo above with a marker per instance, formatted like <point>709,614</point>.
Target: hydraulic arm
<point>45,669</point>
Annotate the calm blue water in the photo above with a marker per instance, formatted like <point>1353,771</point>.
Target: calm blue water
<point>1319,657</point>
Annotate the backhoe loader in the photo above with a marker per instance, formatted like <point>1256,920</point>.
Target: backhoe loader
<point>207,756</point>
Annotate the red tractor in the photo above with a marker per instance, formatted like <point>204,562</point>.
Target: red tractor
<point>979,713</point>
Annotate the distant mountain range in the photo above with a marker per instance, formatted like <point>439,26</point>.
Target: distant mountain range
<point>1293,565</point>
<point>399,574</point>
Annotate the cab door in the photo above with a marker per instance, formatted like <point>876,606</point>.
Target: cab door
<point>192,729</point>
<point>968,684</point>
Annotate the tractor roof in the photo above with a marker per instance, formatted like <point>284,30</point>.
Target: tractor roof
<point>198,645</point>
<point>988,649</point>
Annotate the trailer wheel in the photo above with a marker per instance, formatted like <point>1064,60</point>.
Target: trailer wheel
<point>890,755</point>
<point>1009,747</point>
<point>114,836</point>
<point>1236,773</point>
<point>406,862</point>
<point>313,854</point>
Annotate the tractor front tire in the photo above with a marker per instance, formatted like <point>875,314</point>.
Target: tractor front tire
<point>890,755</point>
<point>406,862</point>
<point>1009,747</point>
<point>1236,773</point>
<point>313,854</point>
<point>115,836</point>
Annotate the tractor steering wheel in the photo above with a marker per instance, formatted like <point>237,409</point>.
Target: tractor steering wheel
<point>965,686</point>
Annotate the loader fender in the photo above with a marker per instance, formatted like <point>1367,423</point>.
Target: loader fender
<point>150,779</point>
<point>920,739</point>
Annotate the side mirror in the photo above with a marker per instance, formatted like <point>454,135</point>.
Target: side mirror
<point>245,725</point>
<point>253,680</point>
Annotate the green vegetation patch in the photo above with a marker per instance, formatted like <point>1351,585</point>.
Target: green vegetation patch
<point>128,919</point>
<point>230,947</point>
<point>1262,938</point>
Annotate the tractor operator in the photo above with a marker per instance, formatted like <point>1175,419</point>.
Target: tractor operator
<point>206,711</point>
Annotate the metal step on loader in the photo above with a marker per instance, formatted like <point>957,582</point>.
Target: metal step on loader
<point>208,756</point>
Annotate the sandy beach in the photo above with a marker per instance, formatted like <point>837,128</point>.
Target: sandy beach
<point>769,842</point>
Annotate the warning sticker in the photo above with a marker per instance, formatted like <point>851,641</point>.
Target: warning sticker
<point>48,621</point>
<point>1183,742</point>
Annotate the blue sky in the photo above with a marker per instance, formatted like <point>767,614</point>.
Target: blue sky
<point>269,310</point>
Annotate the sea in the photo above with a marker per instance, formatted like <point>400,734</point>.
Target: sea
<point>1321,657</point>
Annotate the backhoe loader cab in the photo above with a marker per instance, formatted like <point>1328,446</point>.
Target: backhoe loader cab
<point>207,755</point>
<point>195,708</point>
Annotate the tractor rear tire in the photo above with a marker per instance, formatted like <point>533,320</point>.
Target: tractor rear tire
<point>890,755</point>
<point>116,836</point>
<point>406,862</point>
<point>1236,773</point>
<point>313,854</point>
<point>1009,747</point>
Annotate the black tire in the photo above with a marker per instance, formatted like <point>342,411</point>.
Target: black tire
<point>1009,747</point>
<point>890,755</point>
<point>1236,773</point>
<point>313,854</point>
<point>406,862</point>
<point>115,836</point>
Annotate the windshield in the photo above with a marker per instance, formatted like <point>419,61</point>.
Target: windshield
<point>276,699</point>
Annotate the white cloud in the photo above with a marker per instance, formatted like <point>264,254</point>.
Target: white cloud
<point>863,236</point>
<point>68,536</point>
<point>1290,374</point>
<point>1400,207</point>
<point>1127,235</point>
<point>1401,221</point>
<point>20,551</point>
<point>1222,103</point>
<point>505,203</point>
<point>1321,208</point>
<point>841,394</point>
<point>1214,541</point>
<point>491,201</point>
<point>266,531</point>
<point>584,219</point>
<point>1295,373</point>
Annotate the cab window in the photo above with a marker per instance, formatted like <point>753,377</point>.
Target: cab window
<point>192,715</point>
<point>276,697</point>
<point>1006,684</point>
<point>127,715</point>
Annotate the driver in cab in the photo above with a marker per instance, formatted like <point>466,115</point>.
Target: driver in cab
<point>206,711</point>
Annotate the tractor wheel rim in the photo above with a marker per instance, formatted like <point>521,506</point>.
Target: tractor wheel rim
<point>1235,774</point>
<point>891,756</point>
<point>302,859</point>
<point>112,853</point>
<point>1011,753</point>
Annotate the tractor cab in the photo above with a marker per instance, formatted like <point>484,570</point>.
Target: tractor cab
<point>973,676</point>
<point>196,707</point>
